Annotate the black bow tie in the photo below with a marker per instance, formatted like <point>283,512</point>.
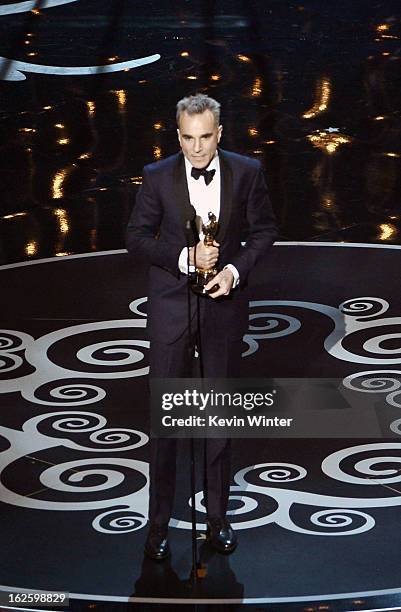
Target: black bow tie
<point>207,174</point>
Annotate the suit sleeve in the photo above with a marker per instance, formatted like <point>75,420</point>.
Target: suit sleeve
<point>262,226</point>
<point>143,230</point>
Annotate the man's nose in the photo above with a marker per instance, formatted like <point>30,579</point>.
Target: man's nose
<point>197,145</point>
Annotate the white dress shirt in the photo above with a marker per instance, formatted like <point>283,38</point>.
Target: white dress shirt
<point>204,198</point>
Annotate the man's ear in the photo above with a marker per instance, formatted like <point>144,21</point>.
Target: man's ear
<point>178,135</point>
<point>219,133</point>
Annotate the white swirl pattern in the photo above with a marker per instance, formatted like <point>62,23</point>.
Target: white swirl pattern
<point>47,372</point>
<point>340,516</point>
<point>351,317</point>
<point>70,477</point>
<point>11,342</point>
<point>120,511</point>
<point>377,381</point>
<point>119,521</point>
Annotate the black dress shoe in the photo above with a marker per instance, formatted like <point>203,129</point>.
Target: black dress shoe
<point>221,535</point>
<point>156,545</point>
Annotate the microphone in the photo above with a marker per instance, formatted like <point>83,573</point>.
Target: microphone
<point>192,236</point>
<point>191,230</point>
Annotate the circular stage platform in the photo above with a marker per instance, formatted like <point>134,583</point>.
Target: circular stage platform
<point>318,520</point>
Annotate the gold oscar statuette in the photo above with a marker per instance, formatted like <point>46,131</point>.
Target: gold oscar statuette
<point>204,275</point>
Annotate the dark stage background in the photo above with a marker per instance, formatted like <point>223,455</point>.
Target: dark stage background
<point>312,88</point>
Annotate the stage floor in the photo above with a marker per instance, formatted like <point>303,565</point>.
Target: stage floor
<point>318,521</point>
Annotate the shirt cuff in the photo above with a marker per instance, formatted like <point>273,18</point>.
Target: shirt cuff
<point>183,262</point>
<point>234,270</point>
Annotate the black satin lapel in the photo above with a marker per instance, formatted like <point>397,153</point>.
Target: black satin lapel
<point>181,192</point>
<point>226,196</point>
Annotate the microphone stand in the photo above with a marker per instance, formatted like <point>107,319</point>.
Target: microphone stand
<point>194,572</point>
<point>202,376</point>
<point>201,569</point>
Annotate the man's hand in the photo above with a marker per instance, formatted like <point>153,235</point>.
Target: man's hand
<point>225,280</point>
<point>205,256</point>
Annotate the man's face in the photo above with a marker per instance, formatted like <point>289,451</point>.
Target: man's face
<point>199,136</point>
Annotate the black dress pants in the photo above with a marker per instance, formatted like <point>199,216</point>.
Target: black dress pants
<point>221,352</point>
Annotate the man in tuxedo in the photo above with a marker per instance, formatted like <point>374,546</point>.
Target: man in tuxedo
<point>232,187</point>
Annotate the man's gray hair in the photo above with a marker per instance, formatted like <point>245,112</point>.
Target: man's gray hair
<point>198,103</point>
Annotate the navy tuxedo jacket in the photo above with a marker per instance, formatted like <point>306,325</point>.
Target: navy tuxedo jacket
<point>157,231</point>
